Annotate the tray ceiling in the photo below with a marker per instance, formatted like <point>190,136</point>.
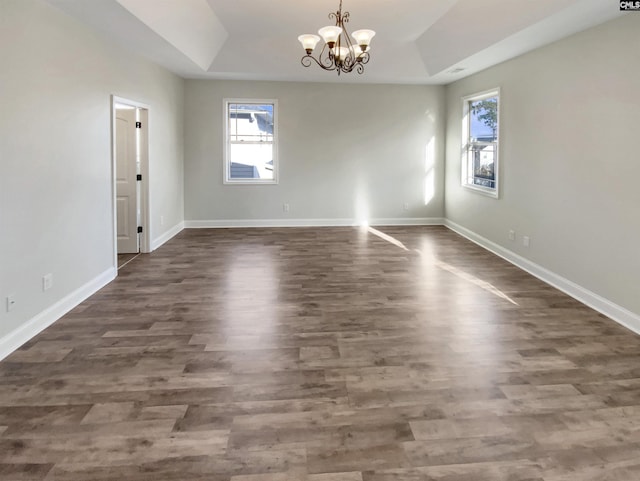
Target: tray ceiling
<point>417,41</point>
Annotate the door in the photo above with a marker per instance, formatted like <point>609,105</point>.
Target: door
<point>126,182</point>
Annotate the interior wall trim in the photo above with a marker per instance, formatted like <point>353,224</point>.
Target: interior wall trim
<point>51,314</point>
<point>167,236</point>
<point>622,316</point>
<point>219,224</point>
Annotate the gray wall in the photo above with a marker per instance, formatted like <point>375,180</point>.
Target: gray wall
<point>570,167</point>
<point>347,152</point>
<point>56,215</point>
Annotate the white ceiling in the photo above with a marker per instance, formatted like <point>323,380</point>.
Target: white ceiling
<point>416,42</point>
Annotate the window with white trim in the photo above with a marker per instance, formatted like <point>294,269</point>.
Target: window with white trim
<point>480,126</point>
<point>251,133</point>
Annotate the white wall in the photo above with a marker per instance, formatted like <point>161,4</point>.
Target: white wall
<point>347,153</point>
<point>55,156</point>
<point>570,163</point>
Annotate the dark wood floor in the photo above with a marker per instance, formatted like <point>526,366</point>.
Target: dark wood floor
<point>124,259</point>
<point>333,354</point>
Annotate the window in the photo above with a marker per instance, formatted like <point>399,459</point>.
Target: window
<point>480,142</point>
<point>251,134</point>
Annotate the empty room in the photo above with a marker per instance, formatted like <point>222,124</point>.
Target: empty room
<point>319,241</point>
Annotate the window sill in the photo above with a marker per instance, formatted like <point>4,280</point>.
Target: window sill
<point>250,182</point>
<point>493,193</point>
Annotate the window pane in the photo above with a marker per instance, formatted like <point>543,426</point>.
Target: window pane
<point>251,122</point>
<point>251,161</point>
<point>482,164</point>
<point>483,122</point>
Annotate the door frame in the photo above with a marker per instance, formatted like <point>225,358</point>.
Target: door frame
<point>145,199</point>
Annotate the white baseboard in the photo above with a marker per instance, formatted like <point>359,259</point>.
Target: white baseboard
<point>44,319</point>
<point>407,221</point>
<point>167,236</point>
<point>213,224</point>
<point>618,313</point>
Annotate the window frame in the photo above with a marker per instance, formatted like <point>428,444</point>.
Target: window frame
<point>226,161</point>
<point>467,144</point>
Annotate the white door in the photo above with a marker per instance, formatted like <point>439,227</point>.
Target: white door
<point>126,183</point>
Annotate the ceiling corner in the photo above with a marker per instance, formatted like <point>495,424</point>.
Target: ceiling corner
<point>191,26</point>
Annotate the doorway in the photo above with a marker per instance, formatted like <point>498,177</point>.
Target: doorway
<point>130,168</point>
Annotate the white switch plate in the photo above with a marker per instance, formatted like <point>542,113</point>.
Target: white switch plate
<point>11,302</point>
<point>47,282</point>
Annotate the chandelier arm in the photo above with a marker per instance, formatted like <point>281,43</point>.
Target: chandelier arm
<point>364,58</point>
<point>349,63</point>
<point>326,59</point>
<point>306,62</point>
<point>350,67</point>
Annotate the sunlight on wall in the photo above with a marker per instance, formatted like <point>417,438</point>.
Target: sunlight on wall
<point>361,207</point>
<point>429,165</point>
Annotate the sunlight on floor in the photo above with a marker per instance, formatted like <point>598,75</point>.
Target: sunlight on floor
<point>445,266</point>
<point>386,237</point>
<point>472,279</point>
<point>251,278</point>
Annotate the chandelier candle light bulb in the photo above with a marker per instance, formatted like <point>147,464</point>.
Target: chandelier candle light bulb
<point>339,52</point>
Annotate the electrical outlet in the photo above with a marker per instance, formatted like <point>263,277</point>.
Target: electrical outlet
<point>161,220</point>
<point>406,206</point>
<point>526,241</point>
<point>512,235</point>
<point>47,282</point>
<point>11,302</point>
<point>285,207</point>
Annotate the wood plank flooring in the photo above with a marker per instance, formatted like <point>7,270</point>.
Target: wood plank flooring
<point>124,259</point>
<point>329,354</point>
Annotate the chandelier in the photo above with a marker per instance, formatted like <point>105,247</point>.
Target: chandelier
<point>339,52</point>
